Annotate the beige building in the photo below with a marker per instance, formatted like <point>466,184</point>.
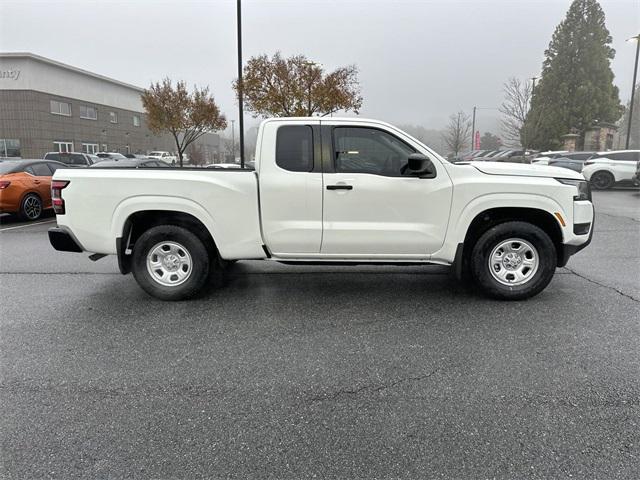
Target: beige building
<point>48,106</point>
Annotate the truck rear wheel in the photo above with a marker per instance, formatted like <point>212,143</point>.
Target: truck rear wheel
<point>513,261</point>
<point>170,263</point>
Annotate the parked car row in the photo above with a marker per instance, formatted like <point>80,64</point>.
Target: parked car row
<point>25,185</point>
<point>512,155</point>
<point>602,169</point>
<point>77,159</point>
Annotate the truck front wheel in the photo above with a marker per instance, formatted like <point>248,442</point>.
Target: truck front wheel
<point>513,261</point>
<point>170,263</point>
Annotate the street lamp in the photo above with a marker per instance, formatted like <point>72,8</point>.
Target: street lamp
<point>633,88</point>
<point>240,104</point>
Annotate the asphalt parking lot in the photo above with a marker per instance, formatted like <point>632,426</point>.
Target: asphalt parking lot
<point>330,372</point>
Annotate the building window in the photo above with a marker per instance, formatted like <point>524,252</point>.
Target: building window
<point>9,148</point>
<point>136,120</point>
<point>113,117</point>
<point>60,108</point>
<point>91,148</point>
<point>62,146</point>
<point>90,113</point>
<point>104,147</point>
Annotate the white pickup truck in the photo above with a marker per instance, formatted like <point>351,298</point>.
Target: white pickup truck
<point>348,191</point>
<point>164,156</point>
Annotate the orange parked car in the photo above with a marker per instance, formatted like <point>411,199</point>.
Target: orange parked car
<point>25,187</point>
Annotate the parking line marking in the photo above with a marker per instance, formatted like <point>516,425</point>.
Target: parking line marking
<point>25,226</point>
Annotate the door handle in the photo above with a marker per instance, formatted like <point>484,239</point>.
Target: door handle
<point>339,187</point>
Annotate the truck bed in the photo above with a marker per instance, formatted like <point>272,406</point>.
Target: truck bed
<point>102,198</point>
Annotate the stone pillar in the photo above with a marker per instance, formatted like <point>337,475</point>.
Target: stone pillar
<point>569,141</point>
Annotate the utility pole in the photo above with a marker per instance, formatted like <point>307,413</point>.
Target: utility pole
<point>533,87</point>
<point>473,129</point>
<point>240,105</point>
<point>633,90</point>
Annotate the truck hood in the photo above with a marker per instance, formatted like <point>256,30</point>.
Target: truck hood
<point>525,170</point>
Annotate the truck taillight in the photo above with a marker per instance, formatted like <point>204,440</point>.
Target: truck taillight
<point>56,195</point>
<point>4,184</point>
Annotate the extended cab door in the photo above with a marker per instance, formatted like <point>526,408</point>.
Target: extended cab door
<point>291,186</point>
<point>372,206</point>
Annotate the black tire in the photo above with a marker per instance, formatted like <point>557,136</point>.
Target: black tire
<point>31,207</point>
<point>494,237</point>
<point>602,180</point>
<point>198,270</point>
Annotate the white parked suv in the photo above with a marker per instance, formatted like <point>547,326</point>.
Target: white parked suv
<point>164,156</point>
<point>609,168</point>
<point>327,191</point>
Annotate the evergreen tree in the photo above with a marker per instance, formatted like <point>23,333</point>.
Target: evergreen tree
<point>576,87</point>
<point>489,141</point>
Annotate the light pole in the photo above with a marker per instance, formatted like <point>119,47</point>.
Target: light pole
<point>240,105</point>
<point>310,65</point>
<point>633,88</point>
<point>473,123</point>
<point>473,130</point>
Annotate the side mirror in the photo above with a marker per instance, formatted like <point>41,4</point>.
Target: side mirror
<point>420,166</point>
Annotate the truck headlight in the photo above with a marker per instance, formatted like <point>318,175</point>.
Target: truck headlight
<point>584,190</point>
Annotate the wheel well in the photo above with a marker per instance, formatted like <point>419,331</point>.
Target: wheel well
<point>606,172</point>
<point>31,192</point>
<point>140,222</point>
<point>490,218</point>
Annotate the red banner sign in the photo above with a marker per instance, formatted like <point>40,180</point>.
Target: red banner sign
<point>476,145</point>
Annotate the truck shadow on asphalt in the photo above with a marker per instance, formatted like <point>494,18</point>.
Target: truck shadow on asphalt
<point>296,296</point>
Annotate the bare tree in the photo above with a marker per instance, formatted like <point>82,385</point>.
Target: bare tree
<point>456,135</point>
<point>517,99</point>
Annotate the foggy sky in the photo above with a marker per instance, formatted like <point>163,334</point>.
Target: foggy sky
<point>419,61</point>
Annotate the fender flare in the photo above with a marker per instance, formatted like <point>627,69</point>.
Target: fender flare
<point>140,203</point>
<point>500,200</point>
<point>461,218</point>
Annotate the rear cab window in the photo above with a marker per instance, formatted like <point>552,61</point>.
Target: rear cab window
<point>294,148</point>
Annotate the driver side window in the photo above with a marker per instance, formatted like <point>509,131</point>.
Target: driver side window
<point>368,150</point>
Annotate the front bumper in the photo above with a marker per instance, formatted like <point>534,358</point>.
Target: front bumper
<point>61,240</point>
<point>568,250</point>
